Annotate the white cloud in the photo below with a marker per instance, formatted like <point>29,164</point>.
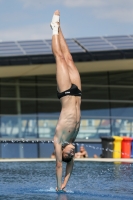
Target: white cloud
<point>37,3</point>
<point>70,3</point>
<point>84,3</point>
<point>119,10</point>
<point>34,32</point>
<point>78,3</point>
<point>121,15</point>
<point>99,3</point>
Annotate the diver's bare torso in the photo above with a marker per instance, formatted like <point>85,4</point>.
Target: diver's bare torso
<point>69,120</point>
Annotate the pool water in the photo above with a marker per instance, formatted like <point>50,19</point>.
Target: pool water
<point>89,180</point>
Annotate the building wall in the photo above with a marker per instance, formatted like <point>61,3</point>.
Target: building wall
<point>29,106</point>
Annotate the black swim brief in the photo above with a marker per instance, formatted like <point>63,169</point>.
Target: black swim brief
<point>73,91</point>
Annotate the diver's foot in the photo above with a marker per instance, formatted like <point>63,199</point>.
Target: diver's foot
<point>55,22</point>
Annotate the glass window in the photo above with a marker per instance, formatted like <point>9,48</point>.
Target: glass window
<point>95,92</point>
<point>40,116</point>
<point>8,80</point>
<point>8,107</point>
<point>47,91</point>
<point>96,109</point>
<point>121,78</point>
<point>49,79</point>
<point>121,93</point>
<point>99,78</point>
<point>29,126</point>
<point>28,107</point>
<point>28,92</point>
<point>7,91</point>
<point>51,107</point>
<point>122,109</point>
<point>27,79</point>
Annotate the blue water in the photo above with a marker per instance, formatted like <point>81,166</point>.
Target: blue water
<point>89,180</point>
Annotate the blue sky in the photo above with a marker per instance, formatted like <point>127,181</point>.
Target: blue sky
<point>30,19</point>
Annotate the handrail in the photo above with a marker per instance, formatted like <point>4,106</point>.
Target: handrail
<point>43,140</point>
<point>56,116</point>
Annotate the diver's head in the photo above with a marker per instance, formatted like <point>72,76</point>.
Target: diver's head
<point>68,152</point>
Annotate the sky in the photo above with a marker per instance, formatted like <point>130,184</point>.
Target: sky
<point>30,19</point>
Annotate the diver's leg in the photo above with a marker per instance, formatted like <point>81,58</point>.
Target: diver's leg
<point>73,72</point>
<point>62,73</point>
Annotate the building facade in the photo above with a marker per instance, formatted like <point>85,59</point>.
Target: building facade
<point>29,106</point>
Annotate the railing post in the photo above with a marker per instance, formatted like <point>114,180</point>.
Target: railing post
<point>21,151</point>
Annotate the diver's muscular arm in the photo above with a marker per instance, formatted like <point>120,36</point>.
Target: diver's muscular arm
<point>69,168</point>
<point>58,153</point>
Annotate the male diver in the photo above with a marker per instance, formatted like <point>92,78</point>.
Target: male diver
<point>69,93</point>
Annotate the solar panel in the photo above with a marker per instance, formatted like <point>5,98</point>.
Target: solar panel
<point>8,45</point>
<point>107,43</point>
<point>11,54</point>
<point>9,48</point>
<point>8,51</point>
<point>122,42</point>
<point>116,37</point>
<point>115,41</point>
<point>77,45</point>
<point>30,42</point>
<point>89,38</point>
<point>35,47</point>
<point>126,44</point>
<point>72,45</point>
<point>38,53</point>
<point>69,41</point>
<point>95,45</point>
<point>75,51</point>
<point>123,46</point>
<point>100,49</point>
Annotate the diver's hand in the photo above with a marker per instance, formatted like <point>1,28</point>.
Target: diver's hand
<point>63,186</point>
<point>60,190</point>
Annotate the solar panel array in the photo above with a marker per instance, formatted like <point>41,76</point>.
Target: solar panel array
<point>77,45</point>
<point>35,47</point>
<point>106,43</point>
<point>73,46</point>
